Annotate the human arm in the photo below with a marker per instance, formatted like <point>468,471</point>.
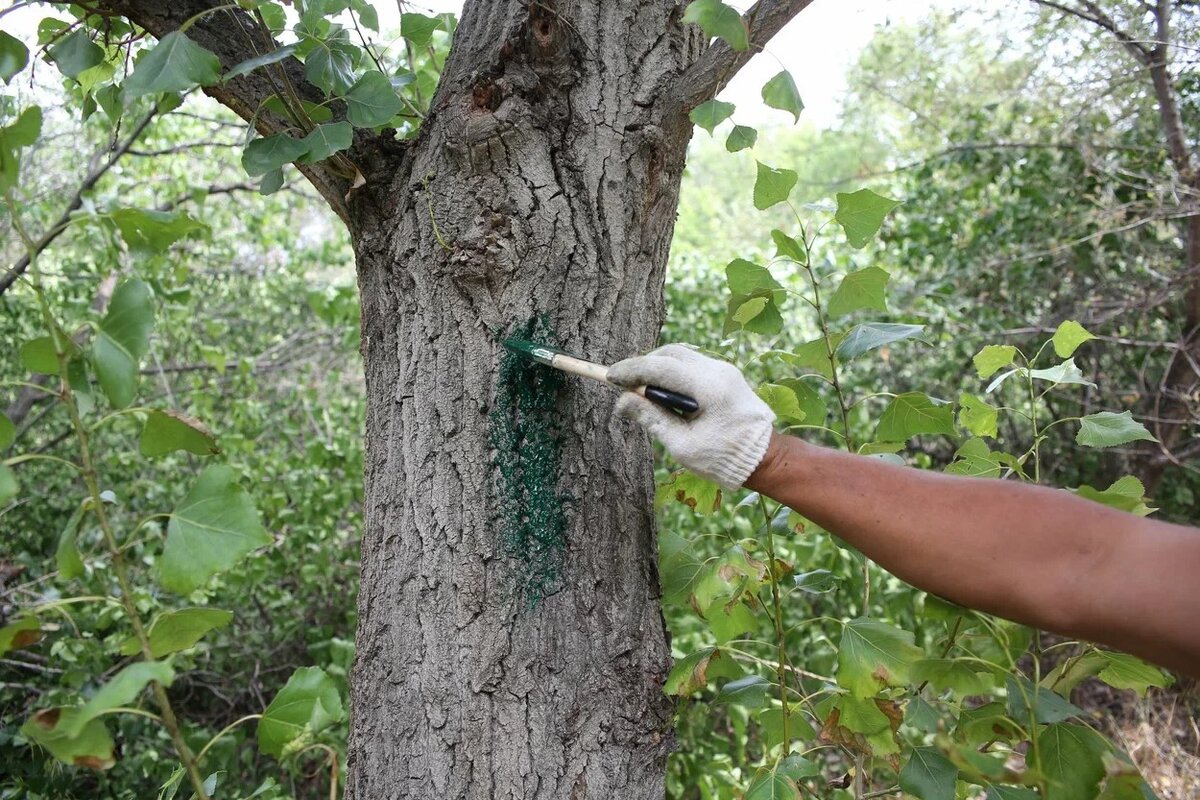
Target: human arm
<point>1039,556</point>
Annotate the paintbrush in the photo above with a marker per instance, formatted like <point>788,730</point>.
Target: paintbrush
<point>553,357</point>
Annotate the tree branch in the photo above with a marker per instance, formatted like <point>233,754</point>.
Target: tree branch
<point>1095,15</point>
<point>234,36</point>
<point>720,62</point>
<point>64,221</point>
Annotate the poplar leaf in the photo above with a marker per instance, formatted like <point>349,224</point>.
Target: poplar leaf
<point>92,747</point>
<point>154,231</point>
<point>75,53</point>
<point>307,704</point>
<point>174,64</point>
<point>862,289</point>
<point>21,633</point>
<point>870,335</point>
<point>8,432</point>
<point>122,339</point>
<point>210,530</point>
<point>372,101</point>
<point>718,20</point>
<point>861,215</point>
<point>772,186</point>
<point>1108,429</point>
<point>122,689</point>
<point>172,631</point>
<point>270,153</point>
<point>168,431</point>
<point>711,114</point>
<point>8,483</point>
<point>781,92</point>
<point>251,64</point>
<point>692,673</point>
<point>1068,337</point>
<point>993,358</point>
<point>741,138</point>
<point>978,417</point>
<point>872,655</point>
<point>929,775</point>
<point>325,140</point>
<point>782,400</point>
<point>14,55</point>
<point>1071,758</point>
<point>1123,671</point>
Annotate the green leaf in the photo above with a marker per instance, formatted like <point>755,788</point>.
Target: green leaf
<point>870,335</point>
<point>21,133</point>
<point>1107,429</point>
<point>977,416</point>
<point>914,413</point>
<point>251,64</point>
<point>122,690</point>
<point>1066,372</point>
<point>366,13</point>
<point>325,140</point>
<point>372,101</point>
<point>1070,757</point>
<point>787,247</point>
<point>1068,337</point>
<point>729,620</point>
<point>20,633</point>
<point>750,692</point>
<point>70,565</point>
<point>1010,793</point>
<point>270,153</point>
<point>122,339</point>
<point>781,92</point>
<point>14,55</point>
<point>782,401</point>
<point>862,289</point>
<point>861,215</point>
<point>780,780</point>
<point>154,231</point>
<point>1047,706</point>
<point>809,400</point>
<point>308,704</point>
<point>692,673</point>
<point>744,277</point>
<point>419,28</point>
<point>811,356</point>
<point>873,655</point>
<point>717,19</point>
<point>929,775</point>
<point>711,114</point>
<point>772,185</point>
<point>702,496</point>
<point>1123,671</point>
<point>8,484</point>
<point>952,675</point>
<point>8,431</point>
<point>168,431</point>
<point>750,309</point>
<point>270,183</point>
<point>741,138</point>
<point>818,581</point>
<point>92,748</point>
<point>754,302</point>
<point>993,358</point>
<point>75,53</point>
<point>210,531</point>
<point>175,64</point>
<point>172,631</point>
<point>1126,494</point>
<point>864,716</point>
<point>38,355</point>
<point>330,65</point>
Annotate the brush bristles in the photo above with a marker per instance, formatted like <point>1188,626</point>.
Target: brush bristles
<point>537,352</point>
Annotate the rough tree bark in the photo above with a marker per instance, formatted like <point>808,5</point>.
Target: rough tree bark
<point>545,180</point>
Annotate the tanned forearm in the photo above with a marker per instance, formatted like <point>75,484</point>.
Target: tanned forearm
<point>1039,556</point>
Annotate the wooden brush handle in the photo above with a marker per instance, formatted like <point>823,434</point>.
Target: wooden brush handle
<point>655,394</point>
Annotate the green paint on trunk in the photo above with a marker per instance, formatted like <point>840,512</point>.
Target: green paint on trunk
<point>525,437</point>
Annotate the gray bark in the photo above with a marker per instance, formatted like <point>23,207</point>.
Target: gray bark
<point>550,176</point>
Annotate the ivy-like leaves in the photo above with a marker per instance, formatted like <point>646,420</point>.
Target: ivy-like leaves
<point>174,64</point>
<point>372,101</point>
<point>861,215</point>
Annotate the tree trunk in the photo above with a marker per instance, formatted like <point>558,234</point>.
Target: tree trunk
<point>545,181</point>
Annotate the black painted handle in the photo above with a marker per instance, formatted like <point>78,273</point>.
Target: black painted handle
<point>672,400</point>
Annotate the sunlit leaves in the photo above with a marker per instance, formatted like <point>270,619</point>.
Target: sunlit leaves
<point>1123,671</point>
<point>862,289</point>
<point>872,655</point>
<point>740,138</point>
<point>928,775</point>
<point>1126,494</point>
<point>75,53</point>
<point>325,140</point>
<point>993,358</point>
<point>372,101</point>
<point>14,55</point>
<point>861,215</point>
<point>693,672</point>
<point>755,297</point>
<point>1070,757</point>
<point>702,496</point>
<point>950,675</point>
<point>1107,429</point>
<point>168,431</point>
<point>154,231</point>
<point>772,185</point>
<point>914,413</point>
<point>787,247</point>
<point>172,631</point>
<point>21,133</point>
<point>710,114</point>
<point>271,152</point>
<point>122,339</point>
<point>174,64</point>
<point>1066,372</point>
<point>419,28</point>
<point>718,20</point>
<point>863,724</point>
<point>782,400</point>
<point>870,335</point>
<point>781,92</point>
<point>1068,337</point>
<point>978,417</point>
<point>210,530</point>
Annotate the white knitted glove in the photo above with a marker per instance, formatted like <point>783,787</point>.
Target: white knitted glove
<point>726,439</point>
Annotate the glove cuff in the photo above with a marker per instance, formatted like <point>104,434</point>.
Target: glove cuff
<point>744,456</point>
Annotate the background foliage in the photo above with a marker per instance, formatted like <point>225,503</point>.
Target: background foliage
<point>1034,190</point>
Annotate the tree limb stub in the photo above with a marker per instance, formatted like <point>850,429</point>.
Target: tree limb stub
<point>720,62</point>
<point>234,36</point>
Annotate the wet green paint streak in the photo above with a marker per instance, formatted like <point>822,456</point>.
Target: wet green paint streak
<point>525,437</point>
